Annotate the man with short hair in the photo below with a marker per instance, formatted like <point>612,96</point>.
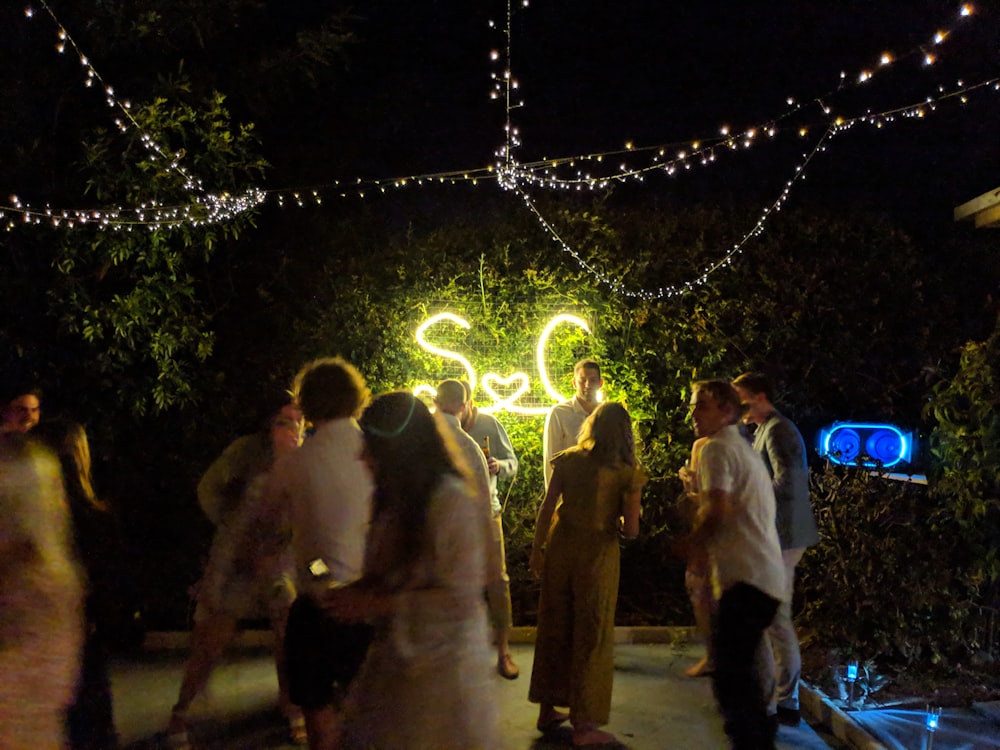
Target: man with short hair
<point>328,491</point>
<point>563,423</point>
<point>451,401</point>
<point>501,461</point>
<point>735,521</point>
<point>780,444</point>
<point>21,410</point>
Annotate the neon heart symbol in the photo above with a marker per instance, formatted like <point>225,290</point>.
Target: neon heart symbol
<point>518,381</point>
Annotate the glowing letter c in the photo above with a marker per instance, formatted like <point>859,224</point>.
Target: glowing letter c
<point>540,350</point>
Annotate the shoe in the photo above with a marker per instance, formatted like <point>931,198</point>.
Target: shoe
<point>551,723</point>
<point>789,717</point>
<point>507,669</point>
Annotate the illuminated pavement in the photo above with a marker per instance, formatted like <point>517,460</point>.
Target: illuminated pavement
<point>655,706</point>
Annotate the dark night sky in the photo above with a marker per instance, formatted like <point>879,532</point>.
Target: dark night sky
<point>597,73</point>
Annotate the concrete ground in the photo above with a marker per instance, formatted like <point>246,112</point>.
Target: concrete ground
<point>654,706</point>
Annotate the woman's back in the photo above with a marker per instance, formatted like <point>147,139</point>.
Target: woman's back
<point>591,491</point>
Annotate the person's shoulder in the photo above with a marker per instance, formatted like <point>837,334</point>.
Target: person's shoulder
<point>564,406</point>
<point>782,425</point>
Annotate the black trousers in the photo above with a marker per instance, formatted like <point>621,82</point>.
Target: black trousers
<point>744,613</point>
<point>322,654</point>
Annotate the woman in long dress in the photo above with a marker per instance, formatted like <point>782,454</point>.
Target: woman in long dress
<point>593,497</point>
<point>427,681</point>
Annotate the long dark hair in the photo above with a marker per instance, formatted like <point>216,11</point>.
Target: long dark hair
<point>410,457</point>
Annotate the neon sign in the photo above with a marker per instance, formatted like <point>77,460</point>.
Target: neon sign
<point>504,390</point>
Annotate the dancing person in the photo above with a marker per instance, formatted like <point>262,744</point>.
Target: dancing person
<point>328,492</point>
<point>563,422</point>
<point>41,598</point>
<point>735,521</point>
<point>780,444</point>
<point>90,721</point>
<point>425,684</point>
<point>249,569</point>
<point>697,579</point>
<point>592,498</point>
<point>501,462</point>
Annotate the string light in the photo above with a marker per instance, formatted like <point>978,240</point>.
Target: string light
<point>507,172</point>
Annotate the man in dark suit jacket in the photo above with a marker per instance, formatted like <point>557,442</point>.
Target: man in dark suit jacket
<point>780,445</point>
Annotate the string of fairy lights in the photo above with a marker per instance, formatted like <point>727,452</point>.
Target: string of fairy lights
<point>583,172</point>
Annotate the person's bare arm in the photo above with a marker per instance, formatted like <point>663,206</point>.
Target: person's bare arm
<point>543,523</point>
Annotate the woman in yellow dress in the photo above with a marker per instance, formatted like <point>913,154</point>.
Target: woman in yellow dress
<point>593,497</point>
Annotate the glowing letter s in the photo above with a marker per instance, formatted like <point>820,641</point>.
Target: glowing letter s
<point>444,352</point>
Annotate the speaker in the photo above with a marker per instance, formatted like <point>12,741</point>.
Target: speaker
<point>865,444</point>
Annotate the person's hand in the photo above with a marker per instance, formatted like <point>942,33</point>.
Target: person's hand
<point>493,465</point>
<point>536,562</point>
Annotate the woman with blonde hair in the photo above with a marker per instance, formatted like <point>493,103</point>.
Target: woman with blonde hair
<point>593,497</point>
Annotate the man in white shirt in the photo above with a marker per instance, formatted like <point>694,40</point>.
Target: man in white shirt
<point>501,461</point>
<point>563,422</point>
<point>451,404</point>
<point>327,491</point>
<point>735,521</point>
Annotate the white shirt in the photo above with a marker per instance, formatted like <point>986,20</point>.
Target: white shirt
<point>562,426</point>
<point>475,464</point>
<point>745,548</point>
<point>475,461</point>
<point>328,492</point>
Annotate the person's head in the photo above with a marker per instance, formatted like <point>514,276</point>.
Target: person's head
<point>757,395</point>
<point>451,398</point>
<point>329,388</point>
<point>470,407</point>
<point>402,443</point>
<point>407,456</point>
<point>607,434</point>
<point>21,410</point>
<point>587,380</point>
<point>285,429</point>
<point>714,404</point>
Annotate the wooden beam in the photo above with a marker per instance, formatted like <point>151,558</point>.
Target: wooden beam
<point>970,209</point>
<point>989,217</point>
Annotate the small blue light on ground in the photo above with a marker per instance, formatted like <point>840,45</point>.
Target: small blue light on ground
<point>852,671</point>
<point>933,716</point>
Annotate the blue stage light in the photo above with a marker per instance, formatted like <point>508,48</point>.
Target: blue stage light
<point>865,444</point>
